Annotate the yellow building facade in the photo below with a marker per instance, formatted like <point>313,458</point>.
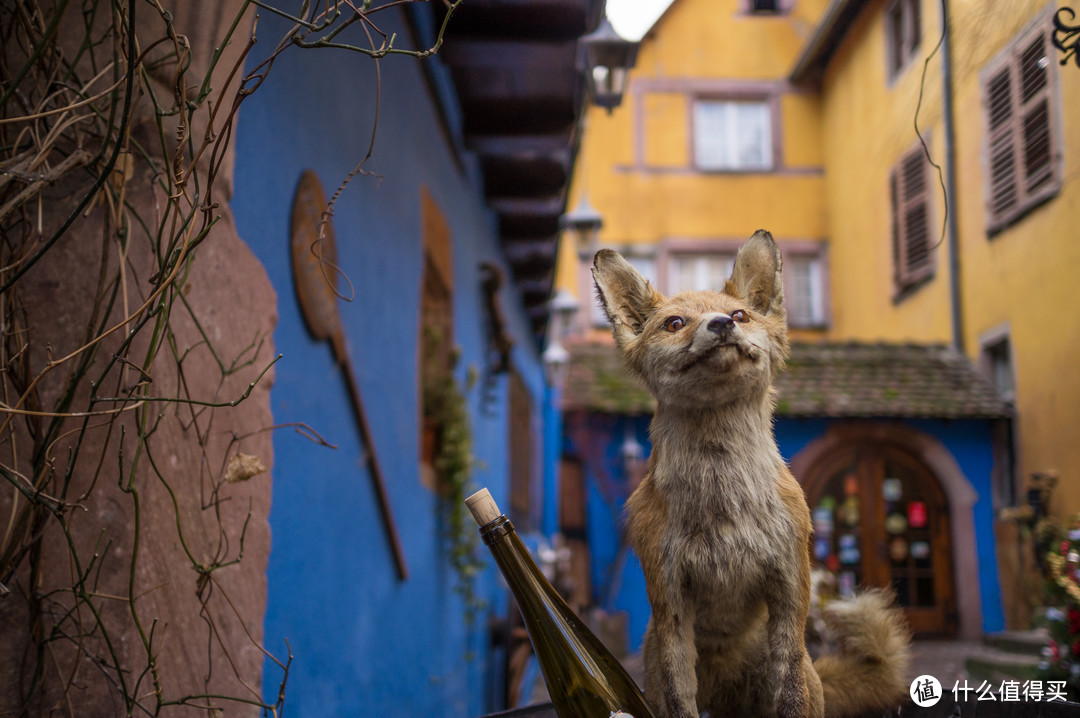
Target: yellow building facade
<point>665,195</point>
<point>871,251</point>
<point>1005,267</point>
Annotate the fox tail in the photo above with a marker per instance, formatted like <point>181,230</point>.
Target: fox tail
<point>868,673</point>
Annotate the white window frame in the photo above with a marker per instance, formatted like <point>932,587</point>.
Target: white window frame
<point>716,139</point>
<point>704,276</point>
<point>816,314</point>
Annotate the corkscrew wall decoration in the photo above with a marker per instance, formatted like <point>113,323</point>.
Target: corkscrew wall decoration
<point>1066,35</point>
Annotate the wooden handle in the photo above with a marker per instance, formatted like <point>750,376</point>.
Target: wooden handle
<point>342,357</point>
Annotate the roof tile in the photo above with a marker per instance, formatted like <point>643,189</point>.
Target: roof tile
<point>841,380</point>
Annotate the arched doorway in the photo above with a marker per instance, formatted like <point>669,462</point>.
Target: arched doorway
<point>882,519</point>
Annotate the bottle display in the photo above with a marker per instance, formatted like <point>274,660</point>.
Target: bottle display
<point>584,680</point>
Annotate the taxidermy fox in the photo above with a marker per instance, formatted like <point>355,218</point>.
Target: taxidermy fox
<point>720,525</point>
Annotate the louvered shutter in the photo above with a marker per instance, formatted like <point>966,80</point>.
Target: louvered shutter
<point>1002,126</point>
<point>910,188</point>
<point>1035,114</point>
<point>1021,150</point>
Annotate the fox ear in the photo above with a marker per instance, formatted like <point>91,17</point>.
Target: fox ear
<point>627,297</point>
<point>757,277</point>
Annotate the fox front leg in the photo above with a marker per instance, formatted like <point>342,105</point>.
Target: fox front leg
<point>788,659</point>
<point>671,660</point>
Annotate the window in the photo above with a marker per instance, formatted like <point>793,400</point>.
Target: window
<point>998,366</point>
<point>733,135</point>
<point>691,272</point>
<point>913,258</point>
<point>804,279</point>
<point>804,290</point>
<point>903,30</point>
<point>1022,149</point>
<point>520,436</point>
<point>436,338</point>
<point>765,7</point>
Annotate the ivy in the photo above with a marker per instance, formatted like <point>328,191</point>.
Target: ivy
<point>446,413</point>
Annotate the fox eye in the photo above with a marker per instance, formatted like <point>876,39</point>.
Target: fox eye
<point>740,316</point>
<point>674,324</point>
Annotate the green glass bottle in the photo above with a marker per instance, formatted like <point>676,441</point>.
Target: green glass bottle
<point>584,680</point>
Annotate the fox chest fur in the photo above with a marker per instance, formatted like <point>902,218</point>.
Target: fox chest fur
<point>712,525</point>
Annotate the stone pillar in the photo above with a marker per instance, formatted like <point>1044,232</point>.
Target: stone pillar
<point>133,543</point>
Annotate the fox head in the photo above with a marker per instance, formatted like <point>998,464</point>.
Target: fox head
<point>703,348</point>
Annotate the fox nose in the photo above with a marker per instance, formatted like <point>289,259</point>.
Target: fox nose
<point>721,324</point>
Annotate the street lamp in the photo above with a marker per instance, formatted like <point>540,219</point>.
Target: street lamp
<point>584,224</point>
<point>556,363</point>
<point>563,306</point>
<point>607,58</point>
<point>556,359</point>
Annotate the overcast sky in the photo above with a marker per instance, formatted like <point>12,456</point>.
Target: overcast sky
<point>632,18</point>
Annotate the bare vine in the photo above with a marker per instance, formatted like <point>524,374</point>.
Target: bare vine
<point>126,428</point>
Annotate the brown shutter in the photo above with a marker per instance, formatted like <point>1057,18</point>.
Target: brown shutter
<point>521,454</point>
<point>1021,151</point>
<point>1002,124</point>
<point>916,197</point>
<point>910,188</point>
<point>1035,111</point>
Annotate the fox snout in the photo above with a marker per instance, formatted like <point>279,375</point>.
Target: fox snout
<point>713,330</point>
<point>720,325</point>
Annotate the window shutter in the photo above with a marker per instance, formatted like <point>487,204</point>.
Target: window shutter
<point>916,195</point>
<point>1020,150</point>
<point>910,189</point>
<point>1002,123</point>
<point>521,453</point>
<point>1034,108</point>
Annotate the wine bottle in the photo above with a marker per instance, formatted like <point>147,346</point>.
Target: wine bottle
<point>584,680</point>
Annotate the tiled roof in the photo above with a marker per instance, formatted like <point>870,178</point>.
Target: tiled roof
<point>910,380</point>
<point>597,381</point>
<point>840,380</point>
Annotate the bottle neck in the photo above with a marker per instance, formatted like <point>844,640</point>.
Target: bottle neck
<point>496,530</point>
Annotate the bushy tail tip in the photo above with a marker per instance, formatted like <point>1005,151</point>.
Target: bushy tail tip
<point>869,671</point>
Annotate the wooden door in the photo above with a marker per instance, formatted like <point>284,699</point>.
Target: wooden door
<point>881,519</point>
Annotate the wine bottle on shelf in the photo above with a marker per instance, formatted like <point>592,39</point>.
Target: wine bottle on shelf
<point>584,680</point>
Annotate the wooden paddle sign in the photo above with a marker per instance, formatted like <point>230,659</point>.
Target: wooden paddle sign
<point>315,272</point>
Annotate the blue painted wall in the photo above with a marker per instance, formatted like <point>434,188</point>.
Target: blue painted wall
<point>617,578</point>
<point>364,642</point>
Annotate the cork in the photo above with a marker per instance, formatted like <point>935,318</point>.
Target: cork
<point>483,507</point>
